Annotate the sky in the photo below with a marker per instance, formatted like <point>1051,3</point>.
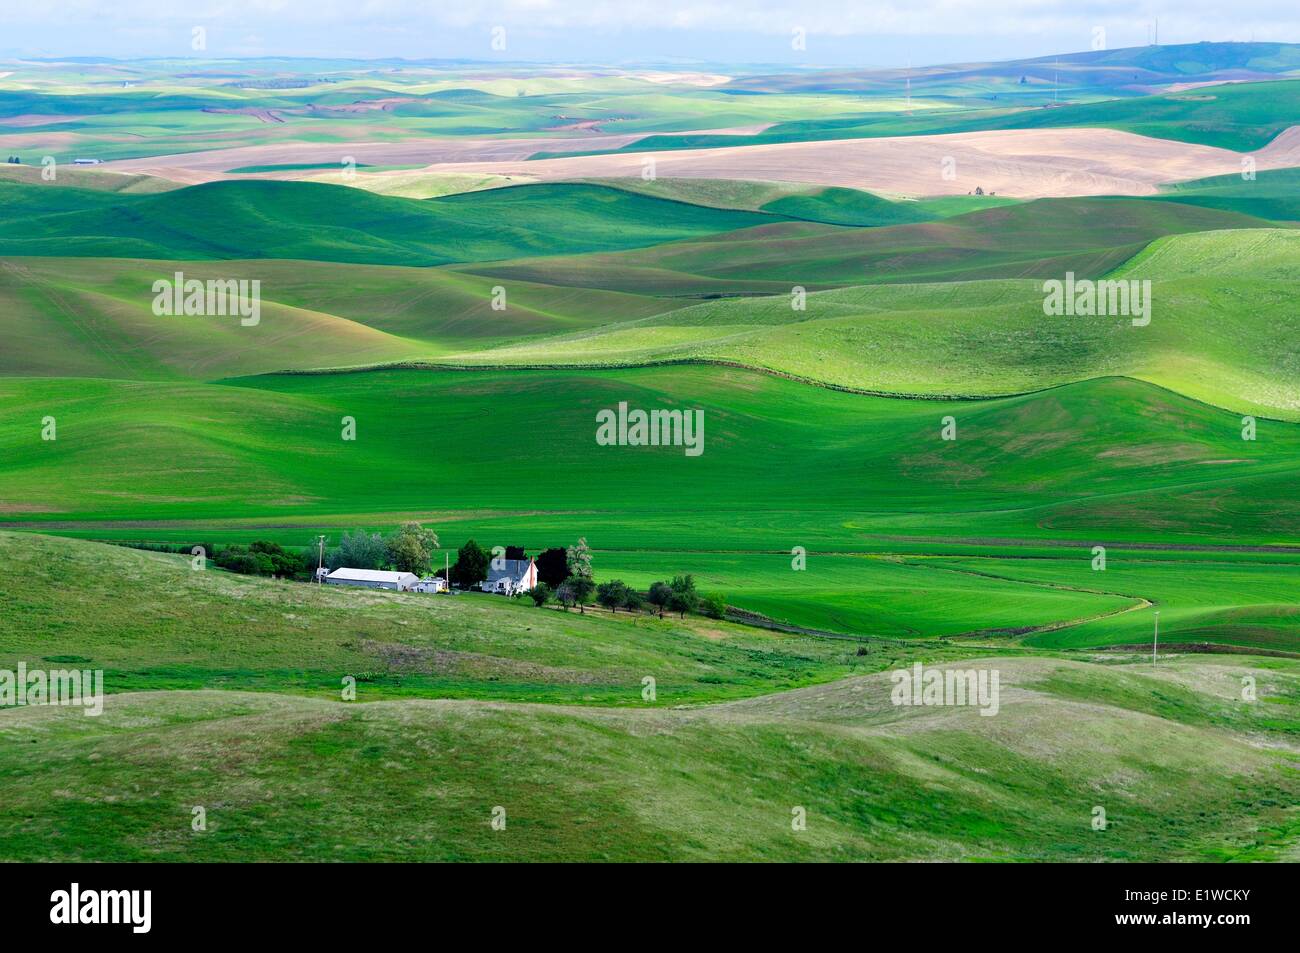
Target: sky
<point>613,32</point>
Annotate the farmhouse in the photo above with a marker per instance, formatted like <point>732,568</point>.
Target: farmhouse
<point>430,584</point>
<point>515,575</point>
<point>373,579</point>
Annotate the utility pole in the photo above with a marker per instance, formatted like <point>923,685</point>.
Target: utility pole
<point>321,562</point>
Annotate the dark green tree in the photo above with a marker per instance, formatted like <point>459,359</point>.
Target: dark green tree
<point>612,594</point>
<point>410,549</point>
<point>583,589</point>
<point>471,566</point>
<point>660,595</point>
<point>359,550</point>
<point>553,566</point>
<point>714,606</point>
<point>540,594</point>
<point>684,598</point>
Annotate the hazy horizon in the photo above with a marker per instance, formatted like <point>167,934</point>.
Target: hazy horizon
<point>731,32</point>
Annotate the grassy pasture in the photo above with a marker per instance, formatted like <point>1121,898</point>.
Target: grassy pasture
<point>885,595</point>
<point>1174,758</point>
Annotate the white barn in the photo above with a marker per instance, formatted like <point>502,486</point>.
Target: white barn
<point>373,579</point>
<point>431,584</point>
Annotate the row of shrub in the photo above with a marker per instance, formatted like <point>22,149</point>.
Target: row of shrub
<point>259,558</point>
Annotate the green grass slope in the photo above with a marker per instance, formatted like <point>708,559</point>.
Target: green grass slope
<point>1045,239</point>
<point>833,206</point>
<point>429,440</point>
<point>1264,255</point>
<point>1220,599</point>
<point>1183,769</point>
<point>94,317</point>
<point>837,206</point>
<point>135,615</point>
<point>1272,194</point>
<point>236,220</point>
<point>84,178</point>
<point>509,458</point>
<point>1223,330</point>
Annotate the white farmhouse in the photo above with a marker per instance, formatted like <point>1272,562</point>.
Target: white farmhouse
<point>373,579</point>
<point>515,575</point>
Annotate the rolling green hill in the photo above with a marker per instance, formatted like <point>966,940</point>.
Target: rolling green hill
<point>1041,239</point>
<point>1272,194</point>
<point>1110,460</point>
<point>913,464</point>
<point>834,206</point>
<point>237,220</point>
<point>1265,256</point>
<point>875,781</point>
<point>1105,438</point>
<point>896,339</point>
<point>94,317</point>
<point>983,338</point>
<point>1183,769</point>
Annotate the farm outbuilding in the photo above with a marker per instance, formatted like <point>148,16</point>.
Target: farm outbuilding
<point>373,579</point>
